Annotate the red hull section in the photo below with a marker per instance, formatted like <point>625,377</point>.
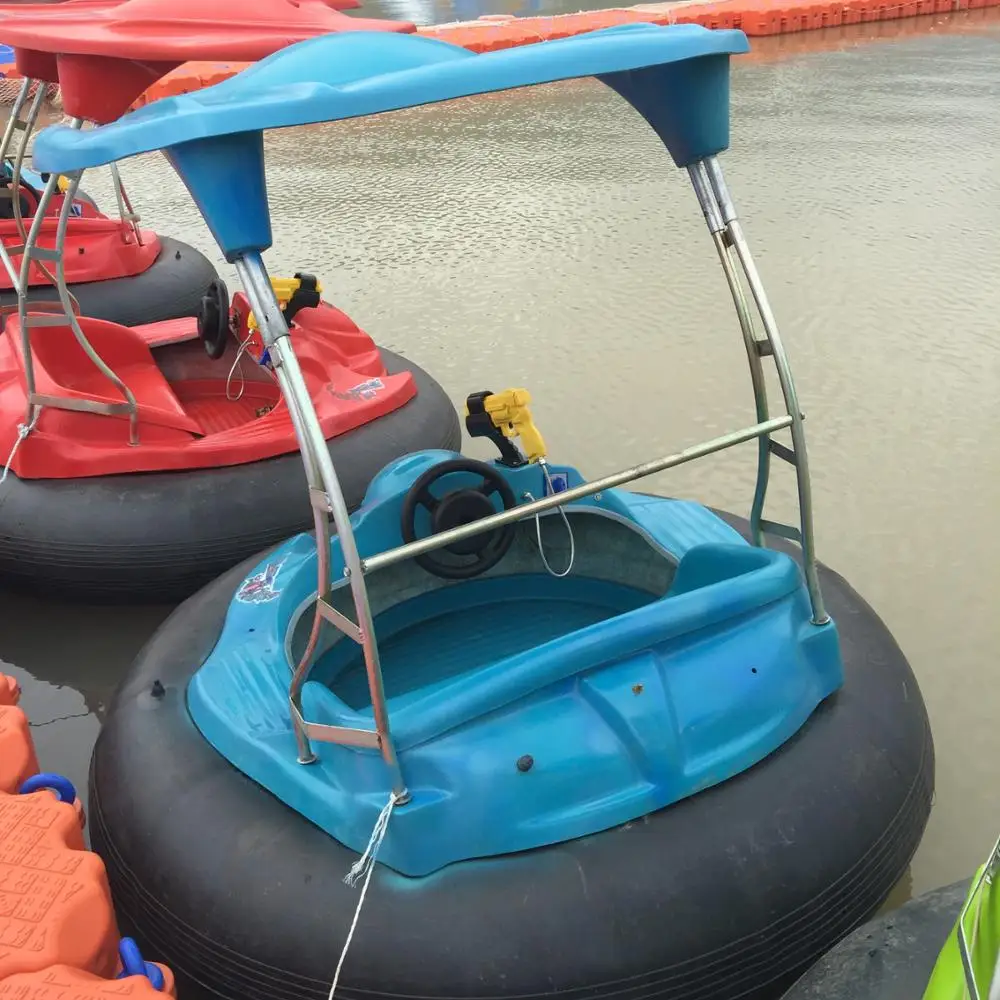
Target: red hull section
<point>189,417</point>
<point>96,249</point>
<point>104,55</point>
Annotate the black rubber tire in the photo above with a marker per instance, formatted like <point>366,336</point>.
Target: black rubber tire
<point>891,958</point>
<point>158,537</point>
<point>731,893</point>
<point>169,289</point>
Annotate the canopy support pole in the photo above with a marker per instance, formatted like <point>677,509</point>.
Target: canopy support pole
<point>32,253</point>
<point>732,247</point>
<point>327,498</point>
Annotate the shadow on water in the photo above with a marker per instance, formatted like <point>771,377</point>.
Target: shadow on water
<point>867,165</point>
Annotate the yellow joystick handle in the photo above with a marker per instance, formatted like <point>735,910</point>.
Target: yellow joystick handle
<point>284,289</point>
<point>510,415</point>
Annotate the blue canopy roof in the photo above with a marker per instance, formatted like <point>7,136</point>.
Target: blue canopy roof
<point>677,77</point>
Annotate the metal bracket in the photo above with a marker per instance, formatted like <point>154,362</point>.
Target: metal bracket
<point>329,613</point>
<point>734,253</point>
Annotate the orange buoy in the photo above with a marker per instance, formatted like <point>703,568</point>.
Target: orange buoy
<point>490,32</point>
<point>62,982</point>
<point>58,936</point>
<point>17,752</point>
<point>10,692</point>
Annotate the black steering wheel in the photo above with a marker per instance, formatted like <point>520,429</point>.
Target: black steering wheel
<point>461,506</point>
<point>213,319</point>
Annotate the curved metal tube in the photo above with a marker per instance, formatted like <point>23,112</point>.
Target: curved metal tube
<point>66,300</point>
<point>125,209</point>
<point>15,117</point>
<point>786,380</point>
<point>8,134</point>
<point>29,125</point>
<point>67,303</point>
<point>24,284</point>
<point>274,332</point>
<point>702,185</point>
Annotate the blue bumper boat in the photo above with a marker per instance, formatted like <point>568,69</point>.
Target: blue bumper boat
<point>572,740</point>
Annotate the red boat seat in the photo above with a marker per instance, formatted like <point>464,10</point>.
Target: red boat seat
<point>63,369</point>
<point>167,331</point>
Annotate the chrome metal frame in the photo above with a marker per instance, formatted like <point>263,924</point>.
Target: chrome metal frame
<point>64,312</point>
<point>126,212</point>
<point>986,877</point>
<point>327,498</point>
<point>731,244</point>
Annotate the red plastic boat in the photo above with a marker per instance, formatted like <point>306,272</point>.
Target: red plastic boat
<point>150,470</point>
<point>104,55</point>
<point>99,248</point>
<point>193,412</point>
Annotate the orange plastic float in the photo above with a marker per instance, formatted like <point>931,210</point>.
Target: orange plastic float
<point>58,935</point>
<point>17,753</point>
<point>10,692</point>
<point>61,982</point>
<point>757,18</point>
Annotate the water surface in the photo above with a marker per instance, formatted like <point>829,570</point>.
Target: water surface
<point>543,238</point>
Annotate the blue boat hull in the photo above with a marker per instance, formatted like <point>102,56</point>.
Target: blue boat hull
<point>673,657</point>
<point>728,894</point>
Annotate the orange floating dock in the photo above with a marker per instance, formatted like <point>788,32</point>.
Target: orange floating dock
<point>58,936</point>
<point>758,18</point>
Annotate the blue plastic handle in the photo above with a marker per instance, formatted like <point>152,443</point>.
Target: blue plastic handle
<point>63,787</point>
<point>133,964</point>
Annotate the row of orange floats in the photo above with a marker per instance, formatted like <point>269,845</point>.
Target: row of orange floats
<point>758,18</point>
<point>58,936</point>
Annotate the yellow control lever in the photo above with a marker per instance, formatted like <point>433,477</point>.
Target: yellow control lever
<point>509,413</point>
<point>284,289</point>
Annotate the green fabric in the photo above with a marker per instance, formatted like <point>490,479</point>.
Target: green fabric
<point>980,918</point>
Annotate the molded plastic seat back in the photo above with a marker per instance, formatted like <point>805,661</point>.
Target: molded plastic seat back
<point>711,563</point>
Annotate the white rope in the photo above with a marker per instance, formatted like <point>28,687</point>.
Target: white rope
<point>237,366</point>
<point>237,369</point>
<point>364,866</point>
<point>538,531</point>
<point>23,430</point>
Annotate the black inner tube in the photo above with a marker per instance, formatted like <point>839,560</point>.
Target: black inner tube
<point>159,536</point>
<point>171,288</point>
<point>890,958</point>
<point>729,894</point>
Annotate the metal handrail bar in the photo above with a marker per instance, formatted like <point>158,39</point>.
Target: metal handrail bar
<point>443,538</point>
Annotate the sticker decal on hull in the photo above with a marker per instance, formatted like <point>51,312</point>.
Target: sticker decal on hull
<point>260,588</point>
<point>368,389</point>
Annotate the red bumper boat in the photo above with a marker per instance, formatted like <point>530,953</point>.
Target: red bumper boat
<point>115,270</point>
<point>144,458</point>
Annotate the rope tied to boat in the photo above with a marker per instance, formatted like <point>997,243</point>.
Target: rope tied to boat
<point>23,430</point>
<point>362,869</point>
<point>538,530</point>
<point>237,369</point>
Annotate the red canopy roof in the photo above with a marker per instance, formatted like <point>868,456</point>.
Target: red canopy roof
<point>105,53</point>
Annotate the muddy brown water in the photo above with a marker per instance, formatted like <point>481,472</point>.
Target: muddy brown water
<point>543,238</point>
